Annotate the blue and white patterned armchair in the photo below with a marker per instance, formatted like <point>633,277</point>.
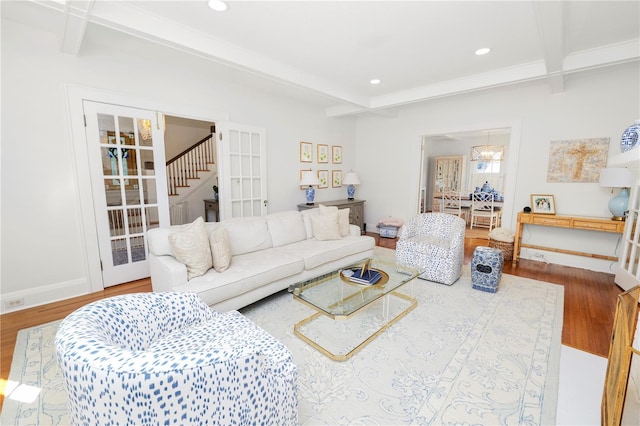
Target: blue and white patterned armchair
<point>167,358</point>
<point>434,244</point>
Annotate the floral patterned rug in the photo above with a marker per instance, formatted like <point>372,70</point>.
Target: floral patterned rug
<point>462,356</point>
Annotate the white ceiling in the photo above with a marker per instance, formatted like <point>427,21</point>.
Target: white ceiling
<point>327,51</point>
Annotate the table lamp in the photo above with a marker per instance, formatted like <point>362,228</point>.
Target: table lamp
<point>309,178</point>
<point>351,179</point>
<point>617,178</point>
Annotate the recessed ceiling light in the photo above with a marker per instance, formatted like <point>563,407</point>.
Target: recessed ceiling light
<point>218,5</point>
<point>483,51</point>
<point>375,81</point>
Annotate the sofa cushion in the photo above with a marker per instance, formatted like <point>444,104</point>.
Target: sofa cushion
<point>325,227</point>
<point>246,272</point>
<point>316,253</point>
<point>220,249</point>
<point>306,218</point>
<point>190,246</point>
<point>248,234</point>
<point>286,228</point>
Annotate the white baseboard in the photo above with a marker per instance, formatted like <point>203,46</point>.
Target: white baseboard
<point>19,300</point>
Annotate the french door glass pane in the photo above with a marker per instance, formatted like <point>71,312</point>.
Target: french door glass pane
<point>119,252</point>
<point>152,218</point>
<point>116,222</point>
<point>129,184</point>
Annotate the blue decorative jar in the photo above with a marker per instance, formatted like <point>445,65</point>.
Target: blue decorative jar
<point>630,137</point>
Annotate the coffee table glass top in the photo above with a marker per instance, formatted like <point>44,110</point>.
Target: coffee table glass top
<point>336,296</point>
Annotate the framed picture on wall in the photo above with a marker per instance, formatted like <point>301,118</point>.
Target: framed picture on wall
<point>323,177</point>
<point>336,154</point>
<point>323,153</point>
<point>336,178</point>
<point>306,152</point>
<point>543,204</point>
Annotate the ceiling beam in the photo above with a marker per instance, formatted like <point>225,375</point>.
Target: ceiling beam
<point>127,18</point>
<point>76,17</point>
<point>551,20</point>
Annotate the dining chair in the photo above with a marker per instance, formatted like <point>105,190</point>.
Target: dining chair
<point>484,213</point>
<point>452,203</point>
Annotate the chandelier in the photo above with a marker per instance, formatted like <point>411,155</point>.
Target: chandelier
<point>144,128</point>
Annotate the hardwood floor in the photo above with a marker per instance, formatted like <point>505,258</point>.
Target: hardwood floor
<point>589,304</point>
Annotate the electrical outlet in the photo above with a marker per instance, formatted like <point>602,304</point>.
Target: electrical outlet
<point>13,303</point>
<point>538,256</point>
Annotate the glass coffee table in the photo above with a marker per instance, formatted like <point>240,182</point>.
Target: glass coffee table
<point>350,315</point>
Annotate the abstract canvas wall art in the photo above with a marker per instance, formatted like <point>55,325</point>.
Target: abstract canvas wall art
<point>578,160</point>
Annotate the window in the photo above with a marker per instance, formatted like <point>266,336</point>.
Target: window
<point>486,166</point>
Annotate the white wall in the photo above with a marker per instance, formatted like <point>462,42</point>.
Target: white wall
<point>42,249</point>
<point>43,257</point>
<point>600,103</point>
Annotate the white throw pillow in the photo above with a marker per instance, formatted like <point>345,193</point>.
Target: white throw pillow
<point>190,246</point>
<point>343,217</point>
<point>343,221</point>
<point>220,249</point>
<point>328,209</point>
<point>325,227</point>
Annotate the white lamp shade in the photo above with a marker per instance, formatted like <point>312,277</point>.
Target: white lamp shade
<point>616,177</point>
<point>309,179</point>
<point>351,178</point>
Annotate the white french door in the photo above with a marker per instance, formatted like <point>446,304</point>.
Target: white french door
<point>243,170</point>
<point>125,148</point>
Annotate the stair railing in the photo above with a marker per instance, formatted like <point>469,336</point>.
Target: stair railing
<point>189,162</point>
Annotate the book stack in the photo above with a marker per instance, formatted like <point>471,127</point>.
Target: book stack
<point>365,276</point>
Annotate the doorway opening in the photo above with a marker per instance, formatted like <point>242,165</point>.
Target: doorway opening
<point>472,167</point>
<point>192,169</point>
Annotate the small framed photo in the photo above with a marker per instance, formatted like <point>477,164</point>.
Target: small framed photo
<point>323,177</point>
<point>336,178</point>
<point>323,153</point>
<point>306,152</point>
<point>336,154</point>
<point>543,204</point>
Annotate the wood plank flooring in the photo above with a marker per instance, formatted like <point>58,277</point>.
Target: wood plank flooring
<point>589,304</point>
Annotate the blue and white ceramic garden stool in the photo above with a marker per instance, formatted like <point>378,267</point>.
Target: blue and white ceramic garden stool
<point>486,268</point>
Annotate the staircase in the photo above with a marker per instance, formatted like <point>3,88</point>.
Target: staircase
<point>190,178</point>
<point>190,163</point>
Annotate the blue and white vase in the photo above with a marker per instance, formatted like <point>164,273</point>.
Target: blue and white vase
<point>310,193</point>
<point>630,137</point>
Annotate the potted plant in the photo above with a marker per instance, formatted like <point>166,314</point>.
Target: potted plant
<point>215,192</point>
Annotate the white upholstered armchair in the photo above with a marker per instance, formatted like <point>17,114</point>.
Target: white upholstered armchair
<point>167,358</point>
<point>434,244</point>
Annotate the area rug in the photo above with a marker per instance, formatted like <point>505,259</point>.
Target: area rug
<point>462,356</point>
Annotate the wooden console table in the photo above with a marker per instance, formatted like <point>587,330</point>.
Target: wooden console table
<point>356,210</point>
<point>571,222</point>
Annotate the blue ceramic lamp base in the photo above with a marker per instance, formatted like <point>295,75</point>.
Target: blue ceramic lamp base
<point>310,193</point>
<point>619,204</point>
<point>351,190</point>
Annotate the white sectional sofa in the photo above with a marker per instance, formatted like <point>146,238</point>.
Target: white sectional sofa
<point>268,254</point>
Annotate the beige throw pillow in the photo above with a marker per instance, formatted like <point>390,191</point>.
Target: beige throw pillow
<point>343,217</point>
<point>343,221</point>
<point>220,249</point>
<point>325,227</point>
<point>190,246</point>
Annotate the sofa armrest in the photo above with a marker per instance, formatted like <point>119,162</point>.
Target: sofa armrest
<point>354,231</point>
<point>166,273</point>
